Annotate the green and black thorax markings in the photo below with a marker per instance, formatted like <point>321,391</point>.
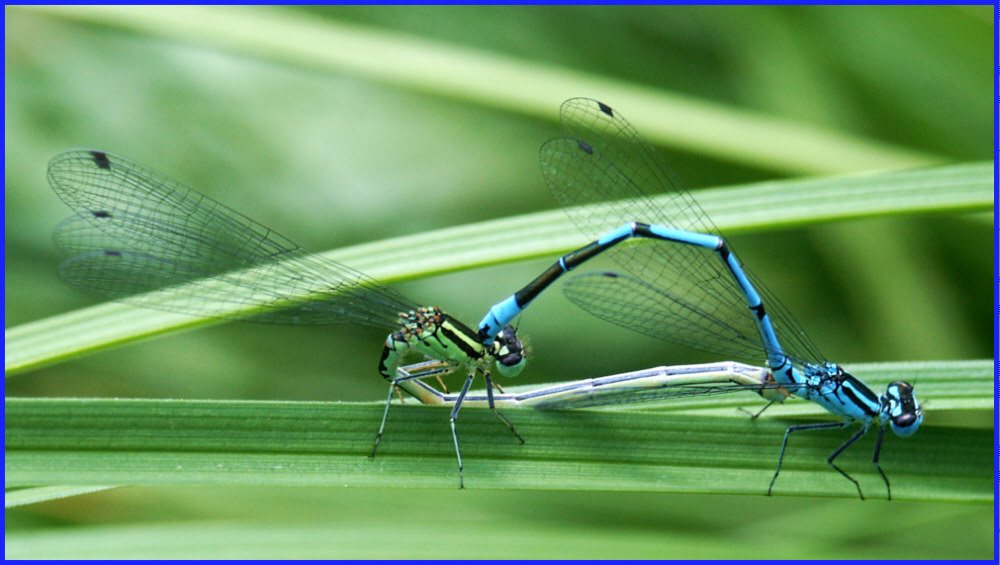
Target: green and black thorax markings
<point>437,335</point>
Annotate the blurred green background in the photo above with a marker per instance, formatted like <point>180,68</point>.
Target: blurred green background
<point>334,156</point>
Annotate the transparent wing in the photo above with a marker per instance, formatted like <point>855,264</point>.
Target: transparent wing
<point>602,174</point>
<point>145,239</point>
<point>661,313</point>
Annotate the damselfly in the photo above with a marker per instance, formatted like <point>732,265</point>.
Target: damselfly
<point>144,239</point>
<point>688,287</point>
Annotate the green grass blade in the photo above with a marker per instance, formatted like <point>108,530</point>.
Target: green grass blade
<point>507,83</point>
<point>169,442</point>
<point>953,188</point>
<point>32,495</point>
<point>559,525</point>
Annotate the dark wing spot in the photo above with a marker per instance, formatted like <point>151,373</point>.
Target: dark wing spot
<point>101,159</point>
<point>606,109</point>
<point>101,214</point>
<point>585,147</point>
<point>112,253</point>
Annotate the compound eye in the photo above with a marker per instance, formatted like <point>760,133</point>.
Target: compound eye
<point>904,420</point>
<point>907,424</point>
<point>510,365</point>
<point>510,357</point>
<point>907,415</point>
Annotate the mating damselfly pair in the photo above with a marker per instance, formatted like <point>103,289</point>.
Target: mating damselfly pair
<point>148,240</point>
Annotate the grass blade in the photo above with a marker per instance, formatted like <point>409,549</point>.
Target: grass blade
<point>507,83</point>
<point>171,442</point>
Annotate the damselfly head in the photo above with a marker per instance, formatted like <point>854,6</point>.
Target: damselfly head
<point>904,411</point>
<point>510,354</point>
